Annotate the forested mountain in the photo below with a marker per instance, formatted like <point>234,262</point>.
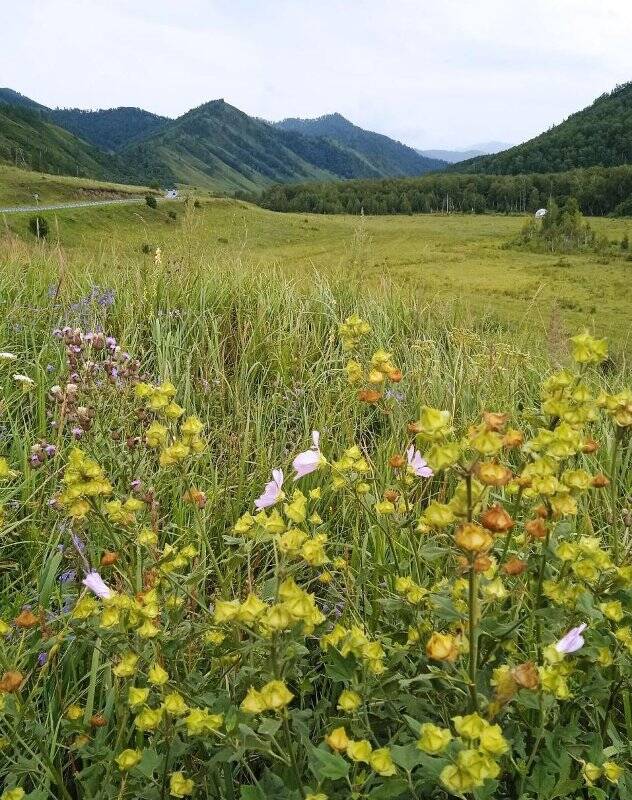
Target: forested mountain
<point>110,129</point>
<point>598,190</point>
<point>10,97</point>
<point>598,135</point>
<point>28,139</point>
<point>386,155</point>
<point>454,156</point>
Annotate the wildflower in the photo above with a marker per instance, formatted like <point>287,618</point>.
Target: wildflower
<point>317,796</point>
<point>359,751</point>
<point>156,435</point>
<point>310,460</point>
<point>276,695</point>
<point>253,702</point>
<point>5,472</point>
<point>11,682</point>
<point>416,464</point>
<point>26,619</point>
<point>25,382</point>
<point>13,794</point>
<point>473,538</point>
<point>74,713</point>
<point>381,762</point>
<point>496,519</point>
<point>492,741</point>
<point>157,675</point>
<point>442,647</point>
<point>272,492</point>
<point>490,473</point>
<point>137,696</point>
<point>128,759</point>
<point>225,610</point>
<point>437,515</point>
<point>588,350</point>
<point>515,566</point>
<point>200,721</point>
<point>470,726</point>
<point>174,704</point>
<point>337,739</point>
<point>591,772</point>
<point>572,641</point>
<point>433,739</point>
<point>526,675</point>
<point>179,786</point>
<point>148,719</point>
<point>612,610</point>
<point>126,667</point>
<point>97,585</point>
<point>612,771</point>
<point>349,701</point>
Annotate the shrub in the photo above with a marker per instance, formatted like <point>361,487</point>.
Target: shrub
<point>151,201</point>
<point>38,226</point>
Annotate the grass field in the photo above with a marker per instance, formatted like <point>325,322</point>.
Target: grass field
<point>435,259</point>
<point>17,187</point>
<point>178,620</point>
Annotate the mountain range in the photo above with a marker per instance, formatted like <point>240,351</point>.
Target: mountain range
<point>215,146</point>
<point>474,150</point>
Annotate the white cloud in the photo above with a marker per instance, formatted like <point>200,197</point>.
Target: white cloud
<point>429,73</point>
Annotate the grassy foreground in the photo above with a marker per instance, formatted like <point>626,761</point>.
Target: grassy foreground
<point>374,630</point>
<point>434,259</point>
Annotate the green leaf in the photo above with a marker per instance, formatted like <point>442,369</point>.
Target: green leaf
<point>252,793</point>
<point>269,726</point>
<point>339,668</point>
<point>327,765</point>
<point>149,763</point>
<point>392,788</point>
<point>406,756</point>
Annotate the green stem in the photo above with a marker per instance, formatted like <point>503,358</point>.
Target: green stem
<point>613,498</point>
<point>473,634</point>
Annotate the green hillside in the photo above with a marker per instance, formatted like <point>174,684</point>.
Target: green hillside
<point>386,156</point>
<point>111,128</point>
<point>600,135</point>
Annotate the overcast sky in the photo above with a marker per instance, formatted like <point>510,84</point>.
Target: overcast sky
<point>446,73</point>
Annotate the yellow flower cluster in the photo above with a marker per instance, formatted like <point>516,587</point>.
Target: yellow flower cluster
<point>361,752</point>
<point>84,480</point>
<point>274,696</point>
<point>293,606</point>
<point>350,469</point>
<point>123,513</point>
<point>406,586</point>
<point>159,400</point>
<point>354,641</point>
<point>352,330</point>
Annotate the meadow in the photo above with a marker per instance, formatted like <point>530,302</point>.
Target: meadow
<point>199,596</point>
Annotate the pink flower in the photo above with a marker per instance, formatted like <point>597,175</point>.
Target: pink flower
<point>272,492</point>
<point>417,464</point>
<point>572,641</point>
<point>97,585</point>
<point>310,460</point>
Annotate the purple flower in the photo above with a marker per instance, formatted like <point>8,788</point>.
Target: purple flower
<point>310,460</point>
<point>135,485</point>
<point>573,640</point>
<point>77,432</point>
<point>97,585</point>
<point>50,450</point>
<point>78,543</point>
<point>42,659</point>
<point>68,576</point>
<point>272,492</point>
<point>417,464</point>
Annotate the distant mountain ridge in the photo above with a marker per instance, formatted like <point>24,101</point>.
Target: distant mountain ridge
<point>454,156</point>
<point>391,158</point>
<point>598,135</point>
<point>214,146</point>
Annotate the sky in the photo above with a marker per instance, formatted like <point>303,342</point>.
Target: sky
<point>447,73</point>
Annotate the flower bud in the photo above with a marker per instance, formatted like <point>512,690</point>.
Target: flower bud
<point>108,558</point>
<point>98,721</point>
<point>526,675</point>
<point>391,495</point>
<point>496,519</point>
<point>26,619</point>
<point>495,421</point>
<point>599,481</point>
<point>512,439</point>
<point>590,446</point>
<point>536,528</point>
<point>515,566</point>
<point>337,739</point>
<point>473,538</point>
<point>11,681</point>
<point>370,396</point>
<point>442,647</point>
<point>490,473</point>
<point>397,461</point>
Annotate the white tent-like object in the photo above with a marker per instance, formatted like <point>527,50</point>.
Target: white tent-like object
<point>540,213</point>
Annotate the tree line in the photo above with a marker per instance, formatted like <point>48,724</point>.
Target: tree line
<point>599,191</point>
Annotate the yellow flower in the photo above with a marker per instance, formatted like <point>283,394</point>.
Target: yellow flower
<point>13,794</point>
<point>250,609</point>
<point>157,675</point>
<point>349,701</point>
<point>492,741</point>
<point>382,762</point>
<point>173,411</point>
<point>147,630</point>
<point>128,759</point>
<point>317,796</point>
<point>225,610</point>
<point>200,721</point>
<point>588,350</point>
<point>433,739</point>
<point>253,702</point>
<point>276,695</point>
<point>156,435</point>
<point>473,538</point>
<point>85,607</point>
<point>470,726</point>
<point>359,751</point>
<point>591,772</point>
<point>437,515</point>
<point>612,610</point>
<point>137,696</point>
<point>337,739</point>
<point>442,456</point>
<point>433,424</point>
<point>442,647</point>
<point>74,712</point>
<point>612,771</point>
<point>148,719</point>
<point>179,786</point>
<point>174,704</point>
<point>384,507</point>
<point>5,629</point>
<point>126,667</point>
<point>313,550</point>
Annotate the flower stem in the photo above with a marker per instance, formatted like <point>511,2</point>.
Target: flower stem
<point>613,498</point>
<point>473,634</point>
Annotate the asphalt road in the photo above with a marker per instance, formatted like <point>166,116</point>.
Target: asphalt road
<point>56,206</point>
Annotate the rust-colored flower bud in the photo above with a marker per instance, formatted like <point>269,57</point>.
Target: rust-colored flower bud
<point>11,681</point>
<point>495,421</point>
<point>26,619</point>
<point>370,396</point>
<point>514,566</point>
<point>526,675</point>
<point>196,497</point>
<point>414,428</point>
<point>496,519</point>
<point>108,558</point>
<point>115,436</point>
<point>523,481</point>
<point>482,563</point>
<point>395,375</point>
<point>541,511</point>
<point>600,480</point>
<point>442,647</point>
<point>397,462</point>
<point>536,528</point>
<point>590,446</point>
<point>473,538</point>
<point>490,473</point>
<point>391,495</point>
<point>513,438</point>
<point>98,721</point>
